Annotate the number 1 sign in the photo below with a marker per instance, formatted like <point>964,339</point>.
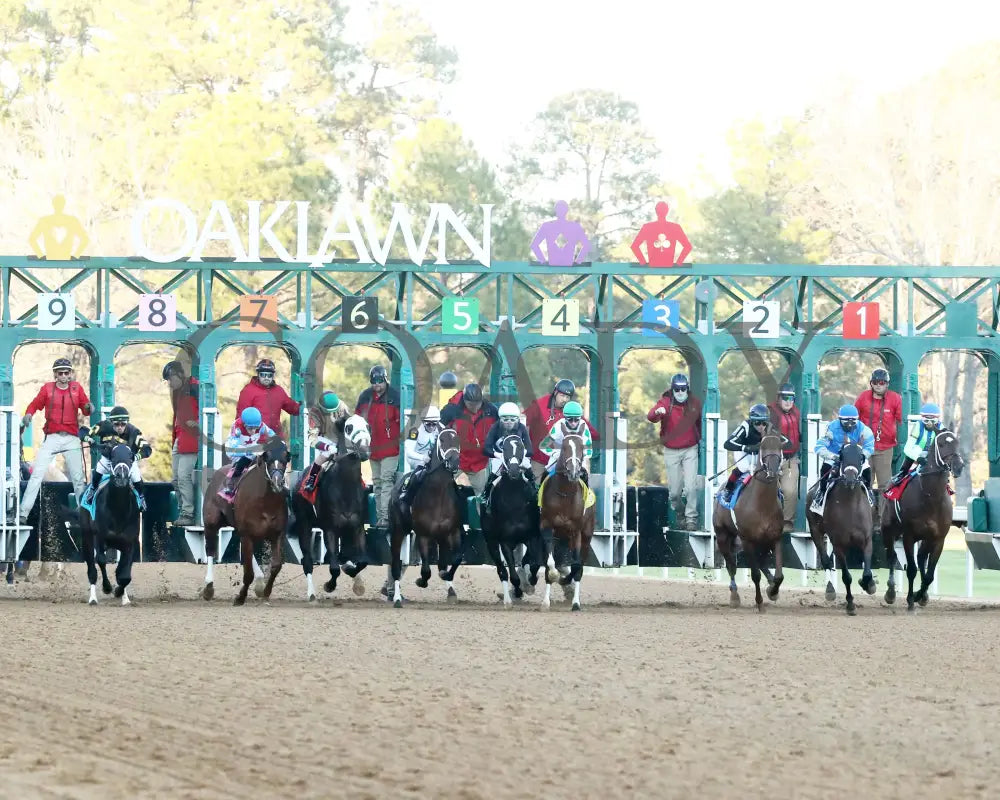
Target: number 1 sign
<point>861,321</point>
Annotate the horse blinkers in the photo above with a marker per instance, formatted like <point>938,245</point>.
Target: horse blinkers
<point>953,461</point>
<point>449,455</point>
<point>513,452</point>
<point>121,465</point>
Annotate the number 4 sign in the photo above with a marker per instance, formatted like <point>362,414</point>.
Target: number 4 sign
<point>861,321</point>
<point>560,317</point>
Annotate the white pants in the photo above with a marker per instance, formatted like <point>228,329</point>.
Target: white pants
<point>72,452</point>
<point>104,467</point>
<point>747,462</point>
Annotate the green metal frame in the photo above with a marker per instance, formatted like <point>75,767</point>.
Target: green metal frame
<point>923,309</point>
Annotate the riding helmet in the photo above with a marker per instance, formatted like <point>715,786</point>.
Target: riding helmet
<point>377,374</point>
<point>330,401</point>
<point>848,416</point>
<point>473,393</point>
<point>251,417</point>
<point>432,414</point>
<point>173,367</point>
<point>565,386</point>
<point>786,391</point>
<point>265,365</point>
<point>448,380</point>
<point>573,409</point>
<point>931,414</point>
<point>118,414</point>
<point>679,381</point>
<point>759,413</point>
<point>879,375</point>
<point>509,410</point>
<point>62,363</point>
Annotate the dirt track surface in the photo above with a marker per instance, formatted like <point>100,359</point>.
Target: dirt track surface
<point>656,689</point>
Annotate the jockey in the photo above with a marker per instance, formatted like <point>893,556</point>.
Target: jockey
<point>322,435</point>
<point>572,422</point>
<point>846,429</point>
<point>418,450</point>
<point>745,439</point>
<point>108,433</point>
<point>922,435</point>
<point>245,438</point>
<point>509,424</point>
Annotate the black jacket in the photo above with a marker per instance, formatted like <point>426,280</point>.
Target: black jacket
<point>497,433</point>
<point>105,437</point>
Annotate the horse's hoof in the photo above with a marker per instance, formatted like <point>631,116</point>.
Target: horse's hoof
<point>890,595</point>
<point>421,582</point>
<point>911,608</point>
<point>238,601</point>
<point>208,591</point>
<point>761,608</point>
<point>518,593</point>
<point>922,600</point>
<point>358,587</point>
<point>330,586</point>
<point>734,599</point>
<point>311,598</point>
<point>258,587</point>
<point>119,591</point>
<point>772,593</point>
<point>452,596</point>
<point>831,593</point>
<point>106,587</point>
<point>851,610</point>
<point>529,589</point>
<point>443,574</point>
<point>551,575</point>
<point>576,607</point>
<point>92,601</point>
<point>397,603</point>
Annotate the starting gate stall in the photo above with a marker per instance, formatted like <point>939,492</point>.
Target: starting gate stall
<point>604,310</point>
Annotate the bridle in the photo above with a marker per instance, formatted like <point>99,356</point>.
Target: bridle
<point>571,464</point>
<point>515,446</point>
<point>943,464</point>
<point>444,453</point>
<point>770,463</point>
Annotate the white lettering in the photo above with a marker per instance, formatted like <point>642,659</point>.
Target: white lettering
<point>401,220</point>
<point>208,233</point>
<point>353,234</point>
<point>445,215</point>
<point>302,214</point>
<point>142,249</point>
<point>256,231</point>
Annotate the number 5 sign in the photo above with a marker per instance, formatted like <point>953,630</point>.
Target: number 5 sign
<point>459,315</point>
<point>761,319</point>
<point>861,321</point>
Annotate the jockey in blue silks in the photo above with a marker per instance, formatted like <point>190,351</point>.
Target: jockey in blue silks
<point>846,429</point>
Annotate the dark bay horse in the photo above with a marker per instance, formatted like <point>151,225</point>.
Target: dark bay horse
<point>258,511</point>
<point>434,515</point>
<point>846,521</point>
<point>758,521</point>
<point>924,515</point>
<point>566,515</point>
<point>341,509</point>
<point>116,523</point>
<point>512,518</point>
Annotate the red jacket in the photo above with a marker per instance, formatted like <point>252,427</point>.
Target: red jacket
<point>881,415</point>
<point>61,407</point>
<point>790,425</point>
<point>270,401</point>
<point>185,405</point>
<point>540,417</point>
<point>680,426</point>
<point>472,430</point>
<point>382,415</point>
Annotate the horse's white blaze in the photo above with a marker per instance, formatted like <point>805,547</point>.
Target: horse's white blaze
<point>208,570</point>
<point>576,593</point>
<point>125,600</point>
<point>93,594</point>
<point>397,596</point>
<point>310,589</point>
<point>547,599</point>
<point>506,593</point>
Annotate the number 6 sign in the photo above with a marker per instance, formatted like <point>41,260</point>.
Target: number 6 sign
<point>158,312</point>
<point>359,314</point>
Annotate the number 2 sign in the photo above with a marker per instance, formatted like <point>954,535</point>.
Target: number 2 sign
<point>761,319</point>
<point>861,321</point>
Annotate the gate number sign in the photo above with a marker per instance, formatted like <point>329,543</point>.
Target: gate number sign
<point>560,317</point>
<point>258,313</point>
<point>761,319</point>
<point>659,313</point>
<point>359,314</point>
<point>460,315</point>
<point>158,312</point>
<point>861,320</point>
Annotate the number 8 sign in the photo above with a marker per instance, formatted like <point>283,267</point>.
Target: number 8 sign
<point>158,312</point>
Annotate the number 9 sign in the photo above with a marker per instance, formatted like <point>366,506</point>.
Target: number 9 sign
<point>56,312</point>
<point>158,312</point>
<point>359,314</point>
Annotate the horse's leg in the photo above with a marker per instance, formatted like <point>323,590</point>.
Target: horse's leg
<point>361,560</point>
<point>515,577</point>
<point>845,574</point>
<point>934,553</point>
<point>725,543</point>
<point>332,558</point>
<point>88,555</point>
<point>867,581</point>
<point>102,563</point>
<point>123,572</point>
<point>304,534</point>
<point>396,565</point>
<point>211,554</point>
<point>889,541</point>
<point>911,569</point>
<point>754,557</point>
<point>246,552</point>
<point>456,544</point>
<point>277,559</point>
<point>424,547</point>
<point>580,560</point>
<point>779,575</point>
<point>493,548</point>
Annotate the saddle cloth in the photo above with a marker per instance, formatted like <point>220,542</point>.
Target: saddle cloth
<point>589,498</point>
<point>91,505</point>
<point>896,492</point>
<point>819,501</point>
<point>736,493</point>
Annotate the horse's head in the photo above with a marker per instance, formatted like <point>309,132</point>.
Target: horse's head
<point>121,465</point>
<point>513,453</point>
<point>358,437</point>
<point>945,452</point>
<point>571,455</point>
<point>273,460</point>
<point>448,449</point>
<point>770,455</point>
<point>852,461</point>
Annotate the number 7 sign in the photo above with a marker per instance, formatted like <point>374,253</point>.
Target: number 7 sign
<point>861,321</point>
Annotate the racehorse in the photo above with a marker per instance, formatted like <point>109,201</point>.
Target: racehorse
<point>258,511</point>
<point>512,517</point>
<point>757,520</point>
<point>340,510</point>
<point>847,521</point>
<point>566,514</point>
<point>115,522</point>
<point>435,514</point>
<point>923,514</point>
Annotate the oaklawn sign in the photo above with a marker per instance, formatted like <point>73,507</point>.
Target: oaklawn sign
<point>345,224</point>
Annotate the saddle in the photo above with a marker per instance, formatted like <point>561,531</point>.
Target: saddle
<point>311,496</point>
<point>819,501</point>
<point>91,505</point>
<point>896,492</point>
<point>589,498</point>
<point>731,504</point>
<point>229,473</point>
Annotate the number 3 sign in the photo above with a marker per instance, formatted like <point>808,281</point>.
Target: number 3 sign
<point>157,312</point>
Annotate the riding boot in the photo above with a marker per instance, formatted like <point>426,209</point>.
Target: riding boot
<point>230,487</point>
<point>309,484</point>
<point>139,487</point>
<point>727,490</point>
<point>585,477</point>
<point>95,481</point>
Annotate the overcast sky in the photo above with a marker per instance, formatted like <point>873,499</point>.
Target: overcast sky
<point>694,68</point>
